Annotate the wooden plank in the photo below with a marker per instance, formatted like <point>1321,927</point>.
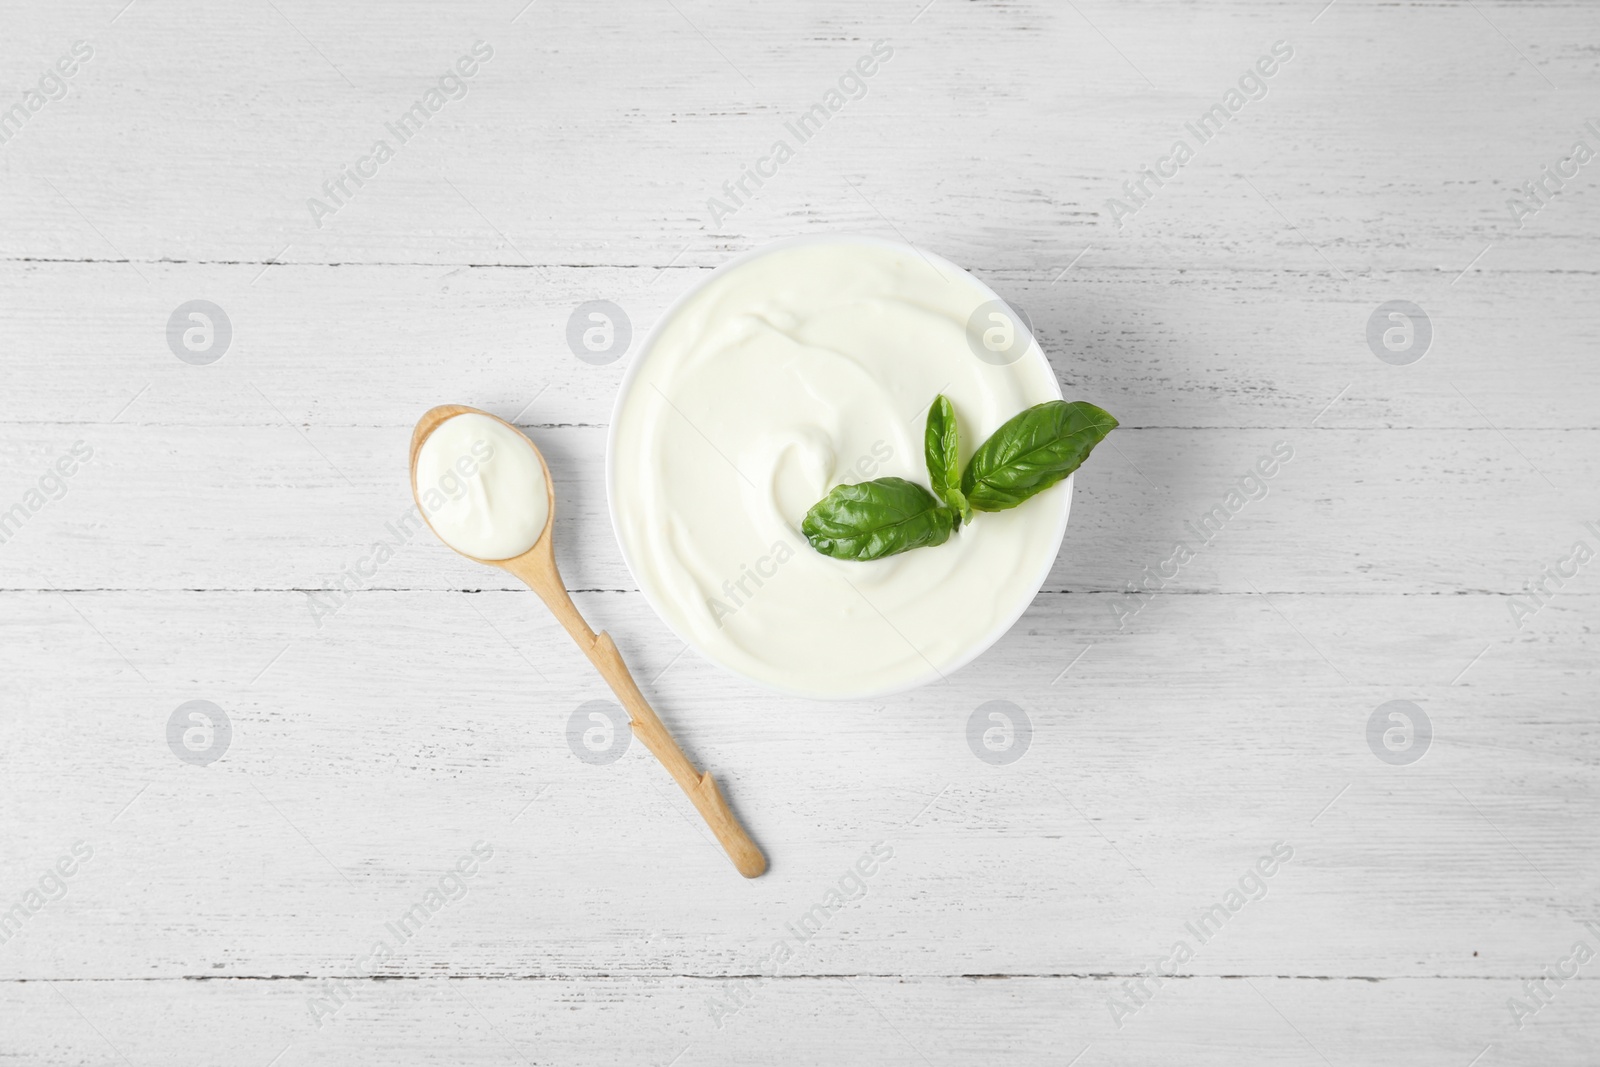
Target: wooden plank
<point>295,507</point>
<point>601,141</point>
<point>1159,348</point>
<point>367,758</point>
<point>1023,1020</point>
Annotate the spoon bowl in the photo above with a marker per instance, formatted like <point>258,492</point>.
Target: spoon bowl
<point>537,568</point>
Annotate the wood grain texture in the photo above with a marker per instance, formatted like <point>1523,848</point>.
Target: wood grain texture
<point>1210,348</point>
<point>229,912</point>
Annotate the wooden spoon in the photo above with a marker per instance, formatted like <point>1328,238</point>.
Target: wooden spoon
<point>537,567</point>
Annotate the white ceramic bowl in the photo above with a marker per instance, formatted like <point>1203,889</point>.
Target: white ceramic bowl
<point>655,596</point>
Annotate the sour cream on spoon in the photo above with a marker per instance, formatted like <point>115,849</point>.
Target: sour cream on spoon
<point>482,487</point>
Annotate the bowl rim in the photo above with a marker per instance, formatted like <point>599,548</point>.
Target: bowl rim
<point>624,390</point>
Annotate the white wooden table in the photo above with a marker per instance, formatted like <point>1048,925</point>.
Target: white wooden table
<point>228,911</point>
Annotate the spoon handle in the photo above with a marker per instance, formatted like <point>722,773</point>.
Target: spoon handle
<point>701,787</point>
<point>647,726</point>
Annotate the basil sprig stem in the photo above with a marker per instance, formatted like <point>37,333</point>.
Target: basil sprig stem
<point>942,446</point>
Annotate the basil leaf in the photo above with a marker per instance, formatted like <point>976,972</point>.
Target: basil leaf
<point>1033,451</point>
<point>874,519</point>
<point>942,443</point>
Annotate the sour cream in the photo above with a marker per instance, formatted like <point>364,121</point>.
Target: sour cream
<point>482,487</point>
<point>784,375</point>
